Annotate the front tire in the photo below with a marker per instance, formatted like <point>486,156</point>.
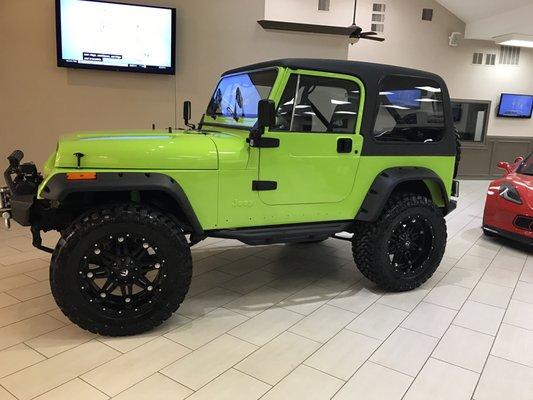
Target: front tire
<point>404,247</point>
<point>121,270</point>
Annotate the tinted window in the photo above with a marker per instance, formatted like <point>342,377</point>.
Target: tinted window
<point>238,95</point>
<point>410,110</point>
<point>526,167</point>
<point>318,104</point>
<point>470,119</point>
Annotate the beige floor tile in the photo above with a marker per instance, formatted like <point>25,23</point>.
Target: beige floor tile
<point>22,268</point>
<point>249,282</point>
<point>57,370</point>
<point>194,307</point>
<point>343,354</point>
<point>27,329</point>
<point>374,382</point>
<point>378,321</point>
<point>446,295</point>
<point>442,381</point>
<point>524,292</point>
<point>509,262</point>
<point>14,282</point>
<point>479,317</point>
<point>257,301</point>
<point>60,340</point>
<point>266,326</point>
<point>464,348</point>
<point>155,387</point>
<point>232,385</point>
<point>19,258</point>
<point>462,277</point>
<point>430,319</point>
<point>323,324</point>
<point>5,250</point>
<point>405,351</point>
<point>5,395</point>
<point>527,272</point>
<point>41,274</point>
<point>514,344</point>
<point>30,291</point>
<point>493,295</point>
<point>15,358</point>
<point>134,366</point>
<point>125,344</point>
<point>519,314</point>
<point>473,262</point>
<point>503,379</point>
<point>308,299</point>
<point>7,300</point>
<point>204,329</point>
<point>75,389</point>
<point>447,263</point>
<point>208,264</point>
<point>305,383</point>
<point>20,311</point>
<point>58,314</point>
<point>244,265</point>
<point>209,361</point>
<point>502,277</point>
<point>278,357</point>
<point>207,281</point>
<point>356,299</point>
<point>483,249</point>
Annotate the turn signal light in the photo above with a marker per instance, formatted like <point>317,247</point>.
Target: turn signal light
<point>81,176</point>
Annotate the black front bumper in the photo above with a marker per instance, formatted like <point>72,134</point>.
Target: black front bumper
<point>509,235</point>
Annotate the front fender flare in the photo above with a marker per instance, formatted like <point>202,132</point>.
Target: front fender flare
<point>385,183</point>
<point>58,188</point>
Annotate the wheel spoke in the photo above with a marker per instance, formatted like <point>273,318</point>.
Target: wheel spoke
<point>143,282</point>
<point>109,285</point>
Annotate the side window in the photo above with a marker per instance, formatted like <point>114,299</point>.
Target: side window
<point>318,104</point>
<point>410,110</point>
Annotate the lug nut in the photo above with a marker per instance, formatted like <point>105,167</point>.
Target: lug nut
<point>120,239</point>
<point>90,275</point>
<point>157,266</point>
<point>127,300</point>
<point>146,245</point>
<point>97,251</point>
<point>103,295</point>
<point>150,288</point>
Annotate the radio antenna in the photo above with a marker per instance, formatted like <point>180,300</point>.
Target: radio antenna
<point>354,10</point>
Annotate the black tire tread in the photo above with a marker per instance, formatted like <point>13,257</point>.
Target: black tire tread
<point>94,218</point>
<point>365,237</point>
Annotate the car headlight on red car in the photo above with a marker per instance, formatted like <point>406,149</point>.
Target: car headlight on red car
<point>510,193</point>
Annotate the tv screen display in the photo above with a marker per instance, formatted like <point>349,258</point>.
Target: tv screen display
<point>515,106</point>
<point>115,36</point>
<point>405,98</point>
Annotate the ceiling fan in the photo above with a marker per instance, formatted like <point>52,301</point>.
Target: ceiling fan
<point>357,32</point>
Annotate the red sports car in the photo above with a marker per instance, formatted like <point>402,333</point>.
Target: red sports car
<point>509,206</point>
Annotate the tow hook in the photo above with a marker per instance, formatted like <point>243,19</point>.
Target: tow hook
<point>5,207</point>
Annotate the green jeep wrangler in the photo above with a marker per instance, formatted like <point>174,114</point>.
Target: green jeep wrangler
<point>294,150</point>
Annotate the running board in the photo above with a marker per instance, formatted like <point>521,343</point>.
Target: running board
<point>283,233</point>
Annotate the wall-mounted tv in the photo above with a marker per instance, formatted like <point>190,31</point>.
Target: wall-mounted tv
<point>104,35</point>
<point>515,106</point>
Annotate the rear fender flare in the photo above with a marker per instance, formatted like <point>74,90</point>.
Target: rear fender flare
<point>385,183</point>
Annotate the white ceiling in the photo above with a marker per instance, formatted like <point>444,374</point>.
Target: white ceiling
<point>486,19</point>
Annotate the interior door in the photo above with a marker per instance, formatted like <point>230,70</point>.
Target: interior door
<point>318,154</point>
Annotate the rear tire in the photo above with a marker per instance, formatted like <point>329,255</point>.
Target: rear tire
<point>121,270</point>
<point>403,248</point>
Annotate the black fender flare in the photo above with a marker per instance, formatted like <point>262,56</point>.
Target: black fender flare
<point>58,188</point>
<point>385,183</point>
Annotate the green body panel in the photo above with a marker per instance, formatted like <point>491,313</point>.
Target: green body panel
<point>216,167</point>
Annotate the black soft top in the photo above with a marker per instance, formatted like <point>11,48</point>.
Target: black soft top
<point>363,70</point>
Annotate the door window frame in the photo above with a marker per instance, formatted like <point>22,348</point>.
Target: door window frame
<point>278,94</point>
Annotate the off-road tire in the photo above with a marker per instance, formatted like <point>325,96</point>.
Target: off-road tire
<point>159,228</point>
<point>370,243</point>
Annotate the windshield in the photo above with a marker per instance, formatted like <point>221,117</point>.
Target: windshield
<point>237,96</point>
<point>526,167</point>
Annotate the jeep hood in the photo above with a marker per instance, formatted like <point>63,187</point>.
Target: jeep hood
<point>152,150</point>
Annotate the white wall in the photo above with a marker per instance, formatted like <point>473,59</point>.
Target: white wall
<point>306,11</point>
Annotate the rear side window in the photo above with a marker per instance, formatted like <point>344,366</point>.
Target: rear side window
<point>410,110</point>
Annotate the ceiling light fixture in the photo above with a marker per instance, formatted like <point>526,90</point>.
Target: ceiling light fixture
<point>515,39</point>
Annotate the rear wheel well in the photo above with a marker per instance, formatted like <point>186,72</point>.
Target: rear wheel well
<point>414,187</point>
<point>77,203</point>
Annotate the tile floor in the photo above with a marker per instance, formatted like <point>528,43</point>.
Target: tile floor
<point>287,322</point>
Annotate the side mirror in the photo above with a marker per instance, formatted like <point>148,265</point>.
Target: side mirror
<point>505,166</point>
<point>187,112</point>
<point>518,160</point>
<point>266,114</point>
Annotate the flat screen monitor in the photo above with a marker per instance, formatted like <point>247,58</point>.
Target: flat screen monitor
<point>515,106</point>
<point>409,98</point>
<point>115,36</point>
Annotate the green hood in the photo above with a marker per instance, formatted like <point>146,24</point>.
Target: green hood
<point>139,150</point>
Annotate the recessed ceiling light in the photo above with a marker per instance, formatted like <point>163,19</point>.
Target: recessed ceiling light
<point>515,39</point>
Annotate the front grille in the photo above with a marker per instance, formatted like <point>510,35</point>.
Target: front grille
<point>523,222</point>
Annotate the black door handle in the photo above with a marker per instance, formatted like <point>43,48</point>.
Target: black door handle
<point>344,145</point>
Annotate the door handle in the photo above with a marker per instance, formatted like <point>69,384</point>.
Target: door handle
<point>344,145</point>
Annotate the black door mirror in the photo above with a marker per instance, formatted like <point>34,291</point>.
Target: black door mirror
<point>187,113</point>
<point>266,114</point>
